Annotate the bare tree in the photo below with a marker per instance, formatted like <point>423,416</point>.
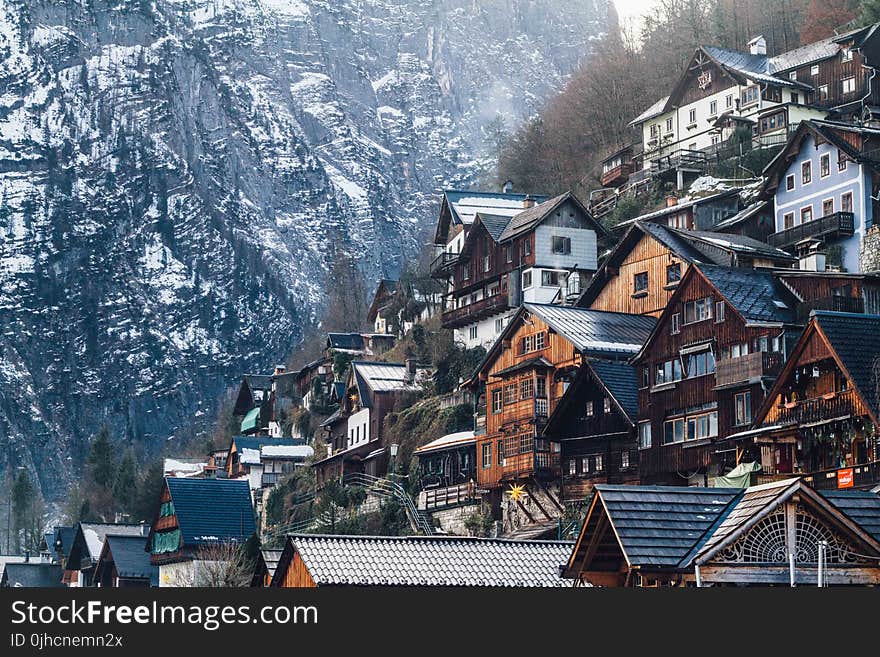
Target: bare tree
<point>223,565</point>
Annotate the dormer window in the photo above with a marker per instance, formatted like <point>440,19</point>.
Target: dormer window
<point>846,55</point>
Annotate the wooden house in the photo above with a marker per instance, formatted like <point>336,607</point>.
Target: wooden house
<point>823,184</point>
<point>447,471</point>
<point>124,562</point>
<point>755,221</point>
<point>647,265</point>
<point>373,390</point>
<point>193,518</point>
<point>617,167</point>
<point>695,213</point>
<point>820,419</point>
<point>313,560</point>
<point>595,423</point>
<point>773,534</point>
<point>722,338</point>
<point>264,460</point>
<point>382,315</point>
<point>31,574</point>
<point>253,391</point>
<point>267,563</point>
<point>88,540</point>
<point>521,379</point>
<point>543,253</point>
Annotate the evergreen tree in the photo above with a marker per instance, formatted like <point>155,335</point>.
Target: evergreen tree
<point>27,515</point>
<point>125,486</point>
<point>100,460</point>
<point>148,493</point>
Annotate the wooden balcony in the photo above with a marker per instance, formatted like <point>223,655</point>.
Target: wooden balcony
<point>837,303</point>
<point>754,366</point>
<point>474,312</point>
<point>865,475</point>
<point>443,265</point>
<point>616,176</point>
<point>680,159</point>
<point>544,464</point>
<point>833,406</point>
<point>438,498</point>
<point>838,224</point>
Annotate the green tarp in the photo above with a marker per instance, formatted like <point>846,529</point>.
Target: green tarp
<point>249,423</point>
<point>739,477</point>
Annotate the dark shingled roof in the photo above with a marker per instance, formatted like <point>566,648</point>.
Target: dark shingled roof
<point>353,341</point>
<point>430,560</point>
<point>130,558</point>
<point>65,536</point>
<point>528,219</point>
<point>212,510</point>
<point>494,224</point>
<point>738,244</point>
<point>756,294</point>
<point>855,339</point>
<point>259,381</point>
<point>256,442</point>
<point>33,575</point>
<point>861,506</point>
<point>622,381</point>
<point>596,331</point>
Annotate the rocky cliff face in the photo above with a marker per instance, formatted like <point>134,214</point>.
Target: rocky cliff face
<point>175,173</point>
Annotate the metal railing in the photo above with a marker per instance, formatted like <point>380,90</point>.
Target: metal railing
<point>865,475</point>
<point>835,224</point>
<point>391,489</point>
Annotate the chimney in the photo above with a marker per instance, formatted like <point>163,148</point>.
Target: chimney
<point>671,200</point>
<point>758,46</point>
<point>528,202</point>
<point>811,258</point>
<point>279,369</point>
<point>507,188</point>
<point>410,370</point>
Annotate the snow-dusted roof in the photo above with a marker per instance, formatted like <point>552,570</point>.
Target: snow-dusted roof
<point>468,206</point>
<point>183,467</point>
<point>449,440</point>
<point>287,451</point>
<point>654,110</point>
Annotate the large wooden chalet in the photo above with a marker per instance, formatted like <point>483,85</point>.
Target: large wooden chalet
<point>820,419</point>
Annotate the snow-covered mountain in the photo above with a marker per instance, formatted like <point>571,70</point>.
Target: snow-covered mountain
<point>175,173</point>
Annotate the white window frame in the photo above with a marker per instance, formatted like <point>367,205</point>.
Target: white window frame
<point>790,177</point>
<point>807,167</point>
<point>645,434</point>
<point>824,158</point>
<point>827,200</point>
<point>801,214</point>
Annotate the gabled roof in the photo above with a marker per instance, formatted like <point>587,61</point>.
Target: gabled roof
<point>372,377</point>
<point>460,207</point>
<point>258,381</point>
<point>64,539</point>
<point>861,506</point>
<point>268,561</point>
<point>596,332</point>
<point>756,294</point>
<point>345,341</point>
<point>450,440</point>
<point>91,535</point>
<point>129,556</point>
<point>740,245</point>
<point>622,383</point>
<point>742,216</point>
<point>32,575</point>
<point>212,510</point>
<point>656,109</point>
<point>682,204</point>
<point>428,560</point>
<point>528,219</point>
<point>493,223</point>
<point>385,290</point>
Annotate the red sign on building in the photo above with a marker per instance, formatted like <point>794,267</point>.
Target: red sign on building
<point>845,478</point>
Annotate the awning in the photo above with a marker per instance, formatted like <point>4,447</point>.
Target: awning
<point>251,420</point>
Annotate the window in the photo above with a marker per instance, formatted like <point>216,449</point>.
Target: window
<point>846,203</point>
<point>585,464</point>
<point>669,125</point>
<point>472,332</point>
<point>700,364</point>
<point>655,128</point>
<point>823,92</point>
<point>693,427</point>
<point>719,312</point>
<point>646,377</point>
<point>697,311</point>
<point>561,245</point>
<point>846,55</point>
<point>487,263</point>
<point>526,388</point>
<point>792,75</point>
<point>534,342</point>
<point>510,393</point>
<point>806,214</point>
<point>499,325</point>
<point>713,108</point>
<point>848,85</point>
<point>644,435</point>
<point>640,282</point>
<point>500,452</point>
<point>541,387</point>
<point>692,116</point>
<point>750,96</point>
<point>742,403</point>
<point>589,409</point>
<point>814,69</point>
<point>487,456</point>
<point>788,220</point>
<point>624,459</point>
<point>466,271</point>
<point>527,280</point>
<point>806,172</point>
<point>841,162</point>
<point>599,465</point>
<point>739,349</point>
<point>572,467</point>
<point>667,372</point>
<point>497,401</point>
<point>789,182</point>
<point>827,207</point>
<point>550,278</point>
<point>676,323</point>
<point>795,98</point>
<point>527,246</point>
<point>728,100</point>
<point>825,166</point>
<point>508,253</point>
<point>673,431</point>
<point>673,273</point>
<point>540,340</point>
<point>606,405</point>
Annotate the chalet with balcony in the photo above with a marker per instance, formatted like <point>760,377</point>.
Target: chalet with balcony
<point>823,185</point>
<point>820,419</point>
<point>729,97</point>
<point>648,263</point>
<point>783,533</point>
<point>544,253</point>
<point>617,167</point>
<point>447,471</point>
<point>356,433</point>
<point>721,340</point>
<point>193,519</point>
<point>595,423</point>
<point>524,375</point>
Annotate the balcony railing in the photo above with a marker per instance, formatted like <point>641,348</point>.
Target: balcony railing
<point>617,175</point>
<point>473,312</point>
<point>837,303</point>
<point>679,159</point>
<point>745,368</point>
<point>436,498</point>
<point>838,224</point>
<point>866,475</point>
<point>828,407</point>
<point>443,264</point>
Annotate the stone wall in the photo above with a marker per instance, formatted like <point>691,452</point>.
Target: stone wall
<point>514,518</point>
<point>870,251</point>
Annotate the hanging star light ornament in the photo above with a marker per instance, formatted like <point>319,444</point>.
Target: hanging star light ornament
<point>516,492</point>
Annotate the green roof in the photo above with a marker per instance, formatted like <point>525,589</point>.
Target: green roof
<point>251,420</point>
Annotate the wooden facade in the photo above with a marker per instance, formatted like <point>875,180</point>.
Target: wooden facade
<point>292,572</point>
